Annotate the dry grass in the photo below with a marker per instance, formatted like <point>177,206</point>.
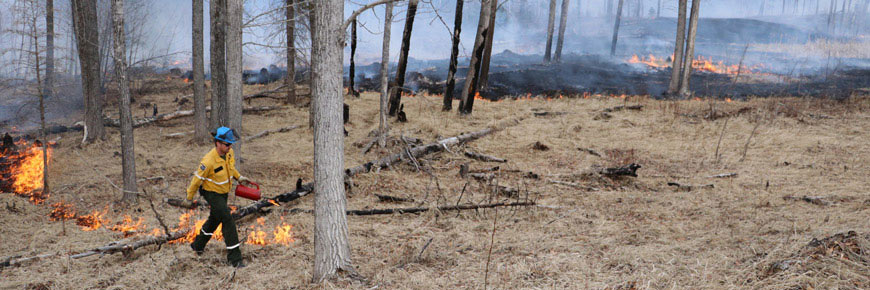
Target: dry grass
<point>635,232</point>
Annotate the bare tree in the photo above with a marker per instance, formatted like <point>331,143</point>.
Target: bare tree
<point>290,80</point>
<point>690,49</point>
<point>351,73</point>
<point>331,242</point>
<point>471,80</point>
<point>679,47</point>
<point>200,119</point>
<point>383,126</point>
<point>128,161</point>
<point>487,51</point>
<point>562,21</point>
<point>550,27</point>
<point>396,98</point>
<point>85,19</point>
<point>49,49</point>
<point>217,9</point>
<point>616,28</point>
<point>454,57</point>
<point>234,71</point>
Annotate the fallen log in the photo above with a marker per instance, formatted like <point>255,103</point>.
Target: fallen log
<point>817,200</point>
<point>686,187</point>
<point>627,170</point>
<point>388,198</point>
<point>267,132</point>
<point>620,108</point>
<point>179,114</point>
<point>423,209</point>
<point>484,157</point>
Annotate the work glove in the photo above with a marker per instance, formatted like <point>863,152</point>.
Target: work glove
<point>187,203</point>
<point>243,179</point>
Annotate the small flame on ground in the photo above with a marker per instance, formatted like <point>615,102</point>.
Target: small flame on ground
<point>93,221</point>
<point>273,202</point>
<point>128,227</point>
<point>28,172</point>
<point>62,211</point>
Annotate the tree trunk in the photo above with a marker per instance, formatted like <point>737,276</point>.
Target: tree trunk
<point>470,89</point>
<point>217,9</point>
<point>41,91</point>
<point>679,47</point>
<point>128,161</point>
<point>396,98</point>
<point>234,73</point>
<point>563,19</point>
<point>551,22</point>
<point>290,80</point>
<point>383,126</point>
<point>690,49</point>
<point>351,74</point>
<point>659,10</point>
<point>454,58</point>
<point>610,7</point>
<point>48,89</point>
<point>616,28</point>
<point>311,30</point>
<point>487,52</point>
<point>85,14</point>
<point>331,243</point>
<point>200,119</point>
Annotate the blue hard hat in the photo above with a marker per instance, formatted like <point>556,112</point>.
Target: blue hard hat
<point>225,134</point>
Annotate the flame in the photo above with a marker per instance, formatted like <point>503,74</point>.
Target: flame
<point>62,211</point>
<point>700,63</point>
<point>728,100</point>
<point>283,234</point>
<point>127,226</point>
<point>93,221</point>
<point>186,80</point>
<point>27,170</point>
<point>478,97</point>
<point>273,202</point>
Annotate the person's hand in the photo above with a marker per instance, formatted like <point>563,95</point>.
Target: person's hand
<point>187,203</point>
<point>243,179</point>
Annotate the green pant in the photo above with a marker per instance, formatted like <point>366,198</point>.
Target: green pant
<point>219,214</point>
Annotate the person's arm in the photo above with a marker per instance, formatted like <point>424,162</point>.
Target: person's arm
<point>198,176</point>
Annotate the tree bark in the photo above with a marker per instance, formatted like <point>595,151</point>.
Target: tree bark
<point>43,134</point>
<point>659,10</point>
<point>550,27</point>
<point>690,49</point>
<point>311,30</point>
<point>128,161</point>
<point>563,19</point>
<point>351,73</point>
<point>679,48</point>
<point>200,119</point>
<point>487,52</point>
<point>454,58</point>
<point>383,126</point>
<point>234,73</point>
<point>290,80</point>
<point>217,9</point>
<point>616,28</point>
<point>331,242</point>
<point>396,98</point>
<point>48,89</point>
<point>85,14</point>
<point>471,79</point>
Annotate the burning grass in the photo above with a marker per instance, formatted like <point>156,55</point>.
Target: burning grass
<point>631,232</point>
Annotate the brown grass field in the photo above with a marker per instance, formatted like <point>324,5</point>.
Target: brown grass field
<point>624,233</point>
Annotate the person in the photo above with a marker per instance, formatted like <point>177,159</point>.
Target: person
<point>212,180</point>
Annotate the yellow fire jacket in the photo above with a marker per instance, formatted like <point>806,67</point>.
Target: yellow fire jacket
<point>214,173</point>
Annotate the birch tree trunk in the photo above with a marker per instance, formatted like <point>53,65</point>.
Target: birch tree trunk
<point>331,243</point>
<point>690,49</point>
<point>550,27</point>
<point>234,73</point>
<point>679,48</point>
<point>128,161</point>
<point>383,126</point>
<point>200,119</point>
<point>454,58</point>
<point>563,19</point>
<point>85,18</point>
<point>616,28</point>
<point>218,118</point>
<point>290,80</point>
<point>48,89</point>
<point>470,89</point>
<point>396,98</point>
<point>311,30</point>
<point>487,52</point>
